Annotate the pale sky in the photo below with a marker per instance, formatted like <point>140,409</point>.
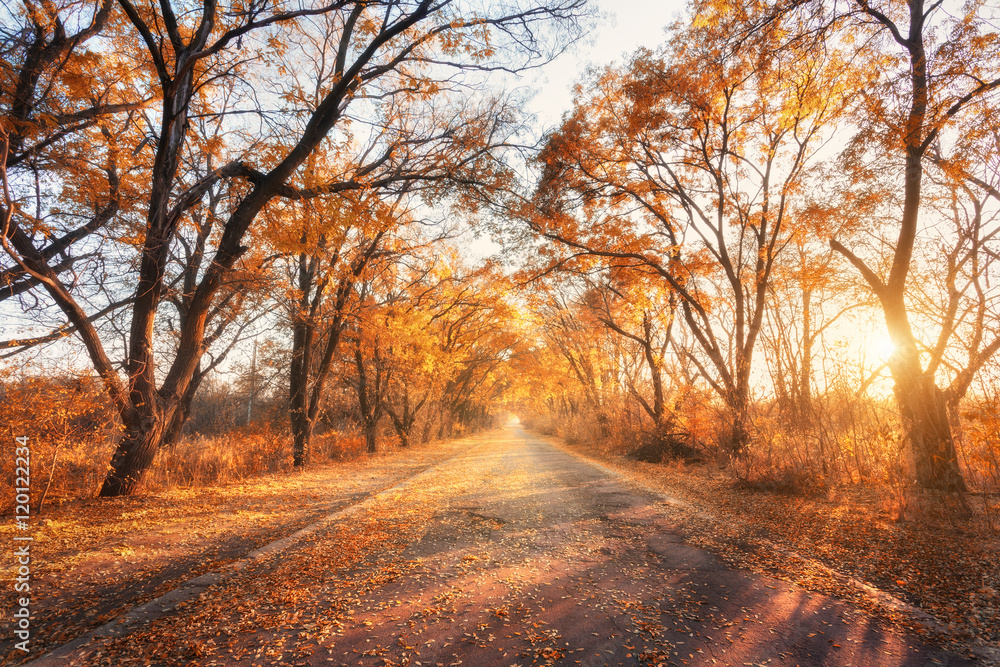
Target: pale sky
<point>625,26</point>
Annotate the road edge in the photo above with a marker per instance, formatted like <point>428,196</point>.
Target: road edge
<point>192,588</point>
<point>989,655</point>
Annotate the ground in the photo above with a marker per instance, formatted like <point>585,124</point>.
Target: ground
<point>502,549</point>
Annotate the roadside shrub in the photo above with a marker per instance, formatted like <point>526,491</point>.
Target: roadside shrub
<point>661,445</point>
<point>336,446</point>
<point>248,451</point>
<point>70,428</point>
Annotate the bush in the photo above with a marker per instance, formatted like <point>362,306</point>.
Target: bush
<point>244,452</point>
<point>336,446</point>
<point>659,446</point>
<point>70,428</point>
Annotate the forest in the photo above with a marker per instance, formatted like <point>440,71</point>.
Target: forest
<point>235,239</point>
<point>309,322</point>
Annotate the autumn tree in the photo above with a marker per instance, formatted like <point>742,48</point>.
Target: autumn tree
<point>642,315</point>
<point>474,323</point>
<point>332,244</point>
<point>540,382</point>
<point>441,153</point>
<point>602,347</point>
<point>412,382</point>
<point>68,119</point>
<point>809,298</point>
<point>952,294</point>
<point>931,75</point>
<point>688,164</point>
<point>426,292</point>
<point>428,332</point>
<point>372,370</point>
<point>578,346</point>
<point>244,299</point>
<point>376,51</point>
<point>573,330</point>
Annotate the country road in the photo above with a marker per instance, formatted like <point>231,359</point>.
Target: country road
<point>510,552</point>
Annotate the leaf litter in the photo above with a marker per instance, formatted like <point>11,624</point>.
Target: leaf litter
<point>851,544</point>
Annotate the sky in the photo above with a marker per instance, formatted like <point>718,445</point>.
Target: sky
<point>625,25</point>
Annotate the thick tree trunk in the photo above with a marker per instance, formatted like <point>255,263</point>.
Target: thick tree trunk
<point>300,422</point>
<point>739,434</point>
<point>303,332</point>
<point>738,402</point>
<point>924,411</point>
<point>301,438</point>
<point>134,454</point>
<point>922,405</point>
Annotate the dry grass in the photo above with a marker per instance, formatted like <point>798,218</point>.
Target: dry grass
<point>847,441</point>
<point>71,435</point>
<point>245,453</point>
<point>198,461</point>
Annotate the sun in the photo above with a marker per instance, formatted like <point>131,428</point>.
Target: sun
<point>881,347</point>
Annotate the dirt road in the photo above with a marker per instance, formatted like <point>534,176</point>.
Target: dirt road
<point>512,552</point>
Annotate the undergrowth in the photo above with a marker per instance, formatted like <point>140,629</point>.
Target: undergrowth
<point>71,433</point>
<point>845,441</point>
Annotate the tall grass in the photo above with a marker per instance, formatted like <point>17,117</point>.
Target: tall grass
<point>846,441</point>
<point>71,433</point>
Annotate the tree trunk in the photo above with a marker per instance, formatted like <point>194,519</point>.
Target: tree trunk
<point>134,453</point>
<point>370,398</point>
<point>301,438</point>
<point>922,405</point>
<point>403,422</point>
<point>298,411</point>
<point>738,402</point>
<point>172,433</point>
<point>428,429</point>
<point>805,369</point>
<point>739,434</point>
<point>303,332</point>
<point>442,423</point>
<point>925,419</point>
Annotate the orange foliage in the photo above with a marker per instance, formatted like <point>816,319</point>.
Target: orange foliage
<point>69,426</point>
